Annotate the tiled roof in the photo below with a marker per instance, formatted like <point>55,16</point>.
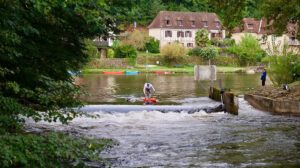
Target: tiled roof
<point>261,26</point>
<point>251,25</point>
<point>186,20</point>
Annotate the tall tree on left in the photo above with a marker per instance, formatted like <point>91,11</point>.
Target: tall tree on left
<point>40,41</point>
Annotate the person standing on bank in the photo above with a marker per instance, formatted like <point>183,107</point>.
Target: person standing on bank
<point>263,77</point>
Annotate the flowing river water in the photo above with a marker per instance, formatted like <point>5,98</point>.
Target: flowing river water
<point>178,139</point>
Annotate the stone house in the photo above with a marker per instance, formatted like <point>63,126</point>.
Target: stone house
<point>267,39</point>
<point>169,27</point>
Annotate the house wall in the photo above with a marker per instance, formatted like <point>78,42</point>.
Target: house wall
<point>159,34</point>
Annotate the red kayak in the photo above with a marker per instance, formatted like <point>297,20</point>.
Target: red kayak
<point>113,72</point>
<point>150,100</point>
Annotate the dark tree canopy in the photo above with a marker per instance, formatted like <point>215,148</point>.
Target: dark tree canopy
<point>40,41</point>
<point>282,12</point>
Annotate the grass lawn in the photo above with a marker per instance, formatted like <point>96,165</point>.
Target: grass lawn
<point>185,69</point>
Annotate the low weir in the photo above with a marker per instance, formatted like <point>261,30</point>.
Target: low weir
<point>160,108</point>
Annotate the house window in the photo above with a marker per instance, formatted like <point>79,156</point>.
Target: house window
<point>250,26</point>
<point>188,34</point>
<point>168,33</point>
<point>190,45</point>
<point>179,22</point>
<point>218,24</point>
<point>180,34</point>
<point>205,23</point>
<point>193,23</point>
<point>168,22</point>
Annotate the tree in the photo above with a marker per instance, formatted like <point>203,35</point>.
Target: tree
<point>201,38</point>
<point>137,38</point>
<point>152,45</point>
<point>248,50</point>
<point>231,12</point>
<point>281,12</point>
<point>40,41</point>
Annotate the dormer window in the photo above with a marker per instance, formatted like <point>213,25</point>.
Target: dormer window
<point>179,22</point>
<point>193,23</point>
<point>250,26</point>
<point>168,22</point>
<point>205,23</point>
<point>217,24</point>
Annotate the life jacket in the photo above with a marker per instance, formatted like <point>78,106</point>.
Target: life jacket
<point>148,88</point>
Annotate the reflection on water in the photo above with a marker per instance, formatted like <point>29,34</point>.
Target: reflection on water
<point>169,88</point>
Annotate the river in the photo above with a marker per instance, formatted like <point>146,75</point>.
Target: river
<point>179,139</point>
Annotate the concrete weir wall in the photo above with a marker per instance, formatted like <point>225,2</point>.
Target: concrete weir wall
<point>274,106</point>
<point>230,101</point>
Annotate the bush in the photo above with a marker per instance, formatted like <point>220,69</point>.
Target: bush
<point>201,38</point>
<point>90,49</point>
<point>283,69</point>
<point>125,51</point>
<point>152,45</point>
<point>51,150</point>
<point>223,43</point>
<point>206,53</point>
<point>248,51</point>
<point>110,53</point>
<point>173,53</point>
<point>137,38</point>
<point>225,61</point>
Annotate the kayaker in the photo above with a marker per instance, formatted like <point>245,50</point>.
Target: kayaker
<point>148,90</point>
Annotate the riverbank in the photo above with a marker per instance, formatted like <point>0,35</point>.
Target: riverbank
<point>276,99</point>
<point>185,69</point>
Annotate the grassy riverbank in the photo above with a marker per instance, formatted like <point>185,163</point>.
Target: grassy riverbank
<point>185,69</point>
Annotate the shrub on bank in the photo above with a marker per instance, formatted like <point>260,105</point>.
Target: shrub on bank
<point>248,51</point>
<point>223,43</point>
<point>125,51</point>
<point>152,45</point>
<point>209,52</point>
<point>225,61</point>
<point>137,39</point>
<point>173,53</point>
<point>283,69</point>
<point>51,150</point>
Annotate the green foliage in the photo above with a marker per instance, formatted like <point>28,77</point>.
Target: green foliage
<point>248,50</point>
<point>281,13</point>
<point>40,41</point>
<point>137,38</point>
<point>231,12</point>
<point>209,52</point>
<point>227,42</point>
<point>283,69</point>
<point>125,51</point>
<point>152,45</point>
<point>173,53</point>
<point>201,38</point>
<point>51,150</point>
<point>226,61</point>
<point>90,49</point>
<point>110,53</point>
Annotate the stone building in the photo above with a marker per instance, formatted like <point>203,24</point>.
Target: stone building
<point>169,27</point>
<point>267,39</point>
